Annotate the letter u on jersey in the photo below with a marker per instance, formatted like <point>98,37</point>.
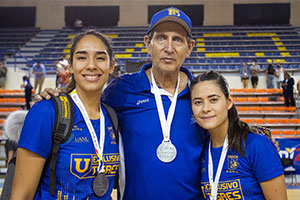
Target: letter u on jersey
<point>81,165</point>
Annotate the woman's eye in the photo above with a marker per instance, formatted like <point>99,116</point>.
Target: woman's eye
<point>81,58</point>
<point>214,100</point>
<point>197,102</point>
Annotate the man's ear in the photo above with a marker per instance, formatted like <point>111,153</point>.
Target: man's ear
<point>191,46</point>
<point>147,42</point>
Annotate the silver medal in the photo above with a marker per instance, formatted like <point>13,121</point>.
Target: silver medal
<point>166,152</point>
<point>100,184</point>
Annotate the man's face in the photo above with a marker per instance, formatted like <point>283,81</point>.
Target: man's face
<point>38,64</point>
<point>168,47</point>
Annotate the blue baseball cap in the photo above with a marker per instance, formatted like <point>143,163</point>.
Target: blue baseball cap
<point>171,14</point>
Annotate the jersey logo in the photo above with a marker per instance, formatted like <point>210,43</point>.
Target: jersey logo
<point>112,135</point>
<point>226,190</point>
<point>142,101</point>
<point>232,162</point>
<point>85,165</point>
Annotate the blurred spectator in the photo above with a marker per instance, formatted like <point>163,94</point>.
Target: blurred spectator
<point>279,75</point>
<point>27,90</point>
<point>3,72</point>
<point>245,74</point>
<point>78,24</point>
<point>254,70</point>
<point>298,88</point>
<point>39,72</point>
<point>64,77</point>
<point>270,74</point>
<point>288,90</point>
<point>12,129</point>
<point>61,65</point>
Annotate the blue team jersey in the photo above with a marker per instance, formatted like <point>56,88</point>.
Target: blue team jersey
<point>148,178</point>
<point>240,176</point>
<point>77,162</point>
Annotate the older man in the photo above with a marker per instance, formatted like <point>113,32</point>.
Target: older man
<point>161,142</point>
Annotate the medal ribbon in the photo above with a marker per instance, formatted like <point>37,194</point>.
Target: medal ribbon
<point>214,184</point>
<point>165,123</point>
<point>98,148</point>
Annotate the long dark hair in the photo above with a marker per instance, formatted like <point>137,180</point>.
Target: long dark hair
<point>237,129</point>
<point>71,86</point>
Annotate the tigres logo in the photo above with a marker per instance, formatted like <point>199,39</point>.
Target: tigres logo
<point>232,162</point>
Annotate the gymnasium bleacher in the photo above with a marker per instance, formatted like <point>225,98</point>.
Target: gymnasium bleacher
<point>217,48</point>
<point>220,48</point>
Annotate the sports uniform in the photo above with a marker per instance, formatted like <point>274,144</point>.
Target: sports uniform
<point>240,176</point>
<point>146,176</point>
<point>77,161</point>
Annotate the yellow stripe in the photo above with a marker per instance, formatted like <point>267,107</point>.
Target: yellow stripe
<point>66,51</point>
<point>111,35</point>
<point>217,34</point>
<point>71,36</point>
<point>201,49</point>
<point>139,44</point>
<point>144,50</point>
<point>123,55</point>
<point>281,48</point>
<point>278,43</point>
<point>275,38</point>
<point>129,50</point>
<point>260,54</point>
<point>200,44</point>
<point>69,46</point>
<point>261,34</point>
<point>229,54</point>
<point>285,54</point>
<point>199,39</point>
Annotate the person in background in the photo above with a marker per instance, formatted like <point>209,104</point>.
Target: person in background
<point>279,76</point>
<point>39,72</point>
<point>245,74</point>
<point>254,70</point>
<point>27,90</point>
<point>298,88</point>
<point>3,72</point>
<point>288,90</point>
<point>64,77</point>
<point>12,129</point>
<point>61,65</point>
<point>91,151</point>
<point>270,74</point>
<point>233,155</point>
<point>78,25</point>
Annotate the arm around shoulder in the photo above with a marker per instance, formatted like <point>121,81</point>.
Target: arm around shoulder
<point>29,167</point>
<point>274,189</point>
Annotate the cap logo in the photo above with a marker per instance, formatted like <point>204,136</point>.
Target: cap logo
<point>174,12</point>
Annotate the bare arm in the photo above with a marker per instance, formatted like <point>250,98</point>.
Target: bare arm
<point>28,172</point>
<point>10,154</point>
<point>274,189</point>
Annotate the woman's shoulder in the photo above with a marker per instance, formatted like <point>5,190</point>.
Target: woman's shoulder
<point>43,107</point>
<point>257,140</point>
